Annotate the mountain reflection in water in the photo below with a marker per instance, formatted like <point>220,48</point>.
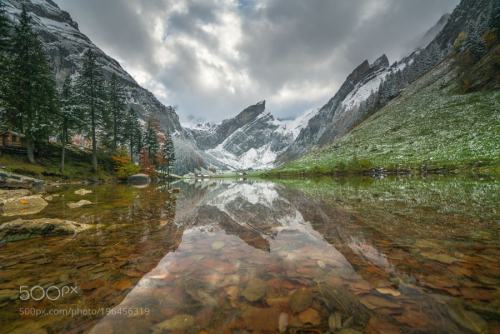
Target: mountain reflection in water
<point>311,256</point>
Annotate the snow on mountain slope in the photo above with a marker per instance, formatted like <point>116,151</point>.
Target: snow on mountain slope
<point>294,126</point>
<point>251,140</point>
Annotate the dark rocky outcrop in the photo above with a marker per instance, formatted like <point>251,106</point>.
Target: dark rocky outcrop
<point>17,181</point>
<point>20,229</point>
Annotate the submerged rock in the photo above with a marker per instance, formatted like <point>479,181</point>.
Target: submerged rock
<point>178,322</point>
<point>79,204</point>
<point>255,290</point>
<point>467,319</point>
<point>310,316</point>
<point>443,258</point>
<point>8,194</point>
<point>349,331</point>
<point>21,229</point>
<point>335,321</point>
<point>83,192</point>
<point>283,322</point>
<point>300,300</point>
<point>20,206</point>
<point>216,245</point>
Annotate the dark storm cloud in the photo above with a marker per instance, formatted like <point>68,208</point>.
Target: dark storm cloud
<point>214,57</point>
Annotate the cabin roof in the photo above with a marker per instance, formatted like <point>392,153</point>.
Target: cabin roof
<point>12,133</point>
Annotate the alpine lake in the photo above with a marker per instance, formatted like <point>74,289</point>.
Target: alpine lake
<point>347,255</point>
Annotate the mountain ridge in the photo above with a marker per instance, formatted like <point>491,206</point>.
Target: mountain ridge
<point>334,120</point>
<point>65,45</point>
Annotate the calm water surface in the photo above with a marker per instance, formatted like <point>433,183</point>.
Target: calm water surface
<point>308,256</point>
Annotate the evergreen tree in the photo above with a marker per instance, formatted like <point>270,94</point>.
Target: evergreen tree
<point>115,113</point>
<point>69,117</point>
<point>496,18</point>
<point>31,90</point>
<point>133,133</point>
<point>4,64</point>
<point>4,28</point>
<point>168,154</point>
<point>151,140</point>
<point>90,94</point>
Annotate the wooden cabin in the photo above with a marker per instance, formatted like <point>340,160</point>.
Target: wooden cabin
<point>12,140</point>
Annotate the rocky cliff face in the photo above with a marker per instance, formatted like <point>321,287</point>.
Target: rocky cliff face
<point>369,87</point>
<point>65,46</point>
<point>252,139</point>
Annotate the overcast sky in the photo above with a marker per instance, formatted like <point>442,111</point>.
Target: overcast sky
<point>212,58</point>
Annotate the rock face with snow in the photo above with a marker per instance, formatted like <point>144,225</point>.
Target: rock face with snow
<point>251,140</point>
<point>65,46</point>
<point>341,109</point>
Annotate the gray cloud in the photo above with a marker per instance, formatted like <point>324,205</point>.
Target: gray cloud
<point>212,58</point>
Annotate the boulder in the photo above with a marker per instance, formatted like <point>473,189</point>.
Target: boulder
<point>20,206</point>
<point>255,290</point>
<point>139,179</point>
<point>79,204</point>
<point>83,192</point>
<point>16,181</point>
<point>11,193</point>
<point>21,229</point>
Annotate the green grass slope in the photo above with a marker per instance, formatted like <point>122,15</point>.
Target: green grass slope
<point>77,167</point>
<point>430,126</point>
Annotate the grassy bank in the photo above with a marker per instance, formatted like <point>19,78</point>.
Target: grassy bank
<point>430,127</point>
<point>78,165</point>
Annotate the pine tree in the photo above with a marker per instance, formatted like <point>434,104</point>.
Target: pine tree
<point>168,153</point>
<point>151,140</point>
<point>4,63</point>
<point>115,114</point>
<point>31,90</point>
<point>90,88</point>
<point>69,117</point>
<point>4,28</point>
<point>496,18</point>
<point>133,133</point>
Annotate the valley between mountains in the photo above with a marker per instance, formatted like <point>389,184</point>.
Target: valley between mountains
<point>390,97</point>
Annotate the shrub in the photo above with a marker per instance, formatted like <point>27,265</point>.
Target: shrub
<point>124,167</point>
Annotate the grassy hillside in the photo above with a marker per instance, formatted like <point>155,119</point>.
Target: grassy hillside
<point>78,165</point>
<point>430,126</point>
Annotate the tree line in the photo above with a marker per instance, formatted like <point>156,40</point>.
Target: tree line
<point>87,103</point>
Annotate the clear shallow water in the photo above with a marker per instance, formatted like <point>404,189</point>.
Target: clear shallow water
<point>309,256</point>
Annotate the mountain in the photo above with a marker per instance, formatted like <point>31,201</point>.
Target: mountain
<point>65,45</point>
<point>251,140</point>
<point>254,138</point>
<point>430,34</point>
<point>430,126</point>
<point>370,87</point>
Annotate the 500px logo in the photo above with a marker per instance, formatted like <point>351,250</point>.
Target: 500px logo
<point>52,292</point>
